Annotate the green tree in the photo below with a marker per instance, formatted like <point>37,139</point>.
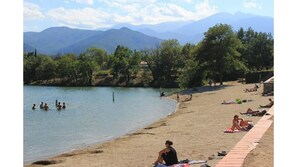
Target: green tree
<point>87,66</point>
<point>99,56</point>
<point>46,69</point>
<point>164,62</point>
<point>218,51</point>
<point>121,59</point>
<point>257,51</point>
<point>30,63</point>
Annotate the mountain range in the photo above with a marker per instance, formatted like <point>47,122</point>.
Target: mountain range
<point>60,40</point>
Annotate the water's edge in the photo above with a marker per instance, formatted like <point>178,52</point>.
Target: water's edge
<point>112,138</point>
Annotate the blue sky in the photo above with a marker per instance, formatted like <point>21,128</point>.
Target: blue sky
<point>92,14</point>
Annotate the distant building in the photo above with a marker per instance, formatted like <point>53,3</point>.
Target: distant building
<point>143,64</point>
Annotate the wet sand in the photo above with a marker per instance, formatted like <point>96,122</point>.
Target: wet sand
<point>196,129</point>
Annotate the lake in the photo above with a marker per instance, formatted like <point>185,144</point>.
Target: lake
<point>90,116</point>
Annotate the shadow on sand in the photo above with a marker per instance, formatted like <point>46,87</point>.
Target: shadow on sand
<point>203,89</point>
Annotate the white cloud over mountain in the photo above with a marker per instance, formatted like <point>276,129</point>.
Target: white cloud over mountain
<point>32,11</point>
<point>130,11</point>
<point>251,4</point>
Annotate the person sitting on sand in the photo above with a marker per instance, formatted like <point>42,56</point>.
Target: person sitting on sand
<point>254,89</point>
<point>33,107</point>
<point>168,155</point>
<point>271,103</point>
<point>189,98</point>
<point>235,123</point>
<point>64,105</point>
<point>41,105</point>
<point>254,112</point>
<point>46,107</point>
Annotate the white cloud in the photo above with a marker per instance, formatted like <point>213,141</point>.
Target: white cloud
<point>130,11</point>
<point>32,11</point>
<point>89,2</point>
<point>251,4</point>
<point>87,17</point>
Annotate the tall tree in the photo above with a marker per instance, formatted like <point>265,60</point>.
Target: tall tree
<point>218,51</point>
<point>165,61</point>
<point>257,51</point>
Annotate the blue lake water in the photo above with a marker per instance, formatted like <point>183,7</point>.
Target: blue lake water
<point>90,116</point>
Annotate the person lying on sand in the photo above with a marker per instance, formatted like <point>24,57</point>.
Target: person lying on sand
<point>228,102</point>
<point>237,101</point>
<point>189,98</point>
<point>254,89</point>
<point>254,112</point>
<point>168,155</point>
<point>246,124</point>
<point>271,103</point>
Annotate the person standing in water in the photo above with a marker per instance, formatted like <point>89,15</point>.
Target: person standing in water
<point>41,105</point>
<point>46,107</point>
<point>33,107</point>
<point>59,106</point>
<point>64,105</point>
<point>56,103</point>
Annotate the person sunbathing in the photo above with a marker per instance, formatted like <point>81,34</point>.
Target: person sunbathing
<point>254,89</point>
<point>168,155</point>
<point>271,103</point>
<point>246,124</point>
<point>254,112</point>
<point>228,102</point>
<point>235,123</point>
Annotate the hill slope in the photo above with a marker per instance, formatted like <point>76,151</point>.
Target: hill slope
<point>66,40</point>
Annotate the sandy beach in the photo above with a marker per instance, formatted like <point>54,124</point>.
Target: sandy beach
<point>196,129</point>
<point>263,152</point>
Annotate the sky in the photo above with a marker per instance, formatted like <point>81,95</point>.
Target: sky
<point>92,14</point>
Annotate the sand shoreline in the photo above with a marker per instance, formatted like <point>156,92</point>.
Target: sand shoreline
<point>192,139</point>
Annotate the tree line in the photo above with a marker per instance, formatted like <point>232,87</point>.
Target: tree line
<point>223,54</point>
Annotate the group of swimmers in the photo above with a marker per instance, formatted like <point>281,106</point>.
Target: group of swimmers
<point>59,106</point>
<point>45,107</point>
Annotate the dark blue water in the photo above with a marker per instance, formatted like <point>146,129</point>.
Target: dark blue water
<point>90,116</point>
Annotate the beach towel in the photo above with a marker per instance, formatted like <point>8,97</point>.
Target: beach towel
<point>229,130</point>
<point>175,165</point>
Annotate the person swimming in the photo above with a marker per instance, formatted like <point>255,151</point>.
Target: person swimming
<point>33,107</point>
<point>46,107</point>
<point>59,106</point>
<point>168,155</point>
<point>41,105</point>
<point>64,105</point>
